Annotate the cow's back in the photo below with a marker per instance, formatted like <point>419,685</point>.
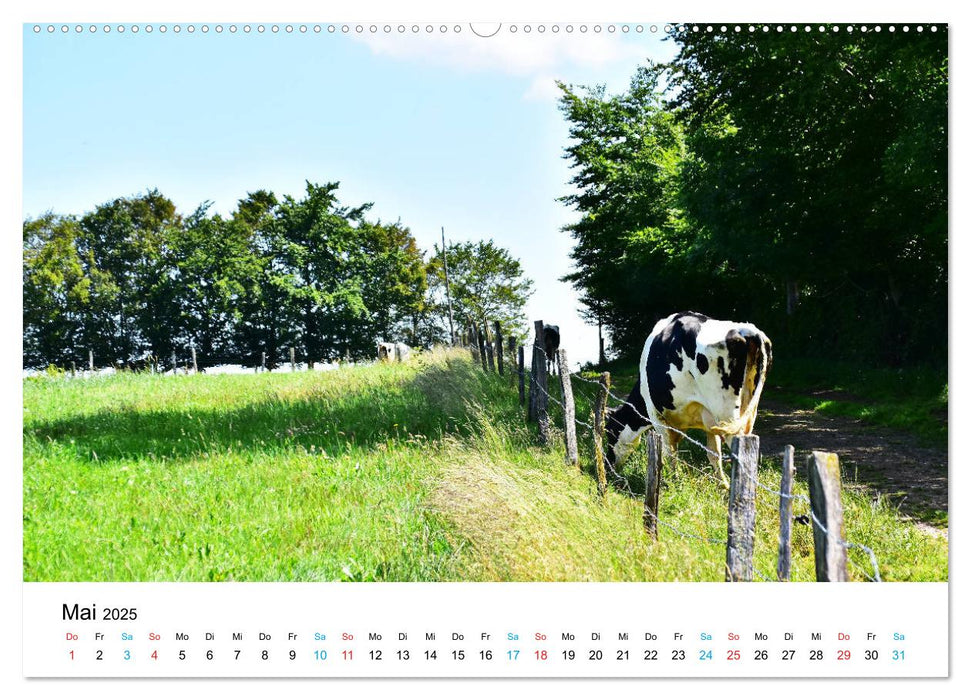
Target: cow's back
<point>698,372</point>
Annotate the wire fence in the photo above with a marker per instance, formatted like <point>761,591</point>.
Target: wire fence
<point>622,483</point>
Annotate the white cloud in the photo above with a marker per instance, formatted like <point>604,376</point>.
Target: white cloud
<point>519,54</point>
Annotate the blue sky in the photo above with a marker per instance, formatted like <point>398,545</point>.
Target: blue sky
<point>438,130</point>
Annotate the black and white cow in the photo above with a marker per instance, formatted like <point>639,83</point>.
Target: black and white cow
<point>551,342</point>
<point>386,352</point>
<point>402,352</point>
<point>695,372</point>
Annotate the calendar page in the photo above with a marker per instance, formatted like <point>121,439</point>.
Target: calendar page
<point>410,348</point>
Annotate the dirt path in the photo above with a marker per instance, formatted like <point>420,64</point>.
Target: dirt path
<point>911,476</point>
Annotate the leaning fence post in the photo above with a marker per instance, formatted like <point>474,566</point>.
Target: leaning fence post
<point>740,551</point>
<point>542,386</point>
<point>490,350</point>
<point>785,512</point>
<point>522,374</point>
<point>569,410</point>
<point>652,484</point>
<point>498,329</point>
<point>480,338</point>
<point>74,368</point>
<point>533,372</point>
<point>599,417</point>
<point>827,513</point>
<point>511,350</point>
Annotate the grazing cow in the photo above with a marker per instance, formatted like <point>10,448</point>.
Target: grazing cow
<point>551,340</point>
<point>402,352</point>
<point>386,352</point>
<point>695,372</point>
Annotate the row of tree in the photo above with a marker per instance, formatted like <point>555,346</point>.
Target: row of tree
<point>134,281</point>
<point>796,180</point>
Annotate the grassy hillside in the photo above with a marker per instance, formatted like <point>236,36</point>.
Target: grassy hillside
<point>423,472</point>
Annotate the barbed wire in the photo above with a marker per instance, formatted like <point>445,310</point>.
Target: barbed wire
<point>620,479</point>
<point>659,426</point>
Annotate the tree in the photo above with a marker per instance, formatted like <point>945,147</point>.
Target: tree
<point>55,291</point>
<point>316,245</point>
<point>212,263</point>
<point>393,268</point>
<point>774,169</point>
<point>801,147</point>
<point>487,285</point>
<point>625,152</point>
<point>125,242</point>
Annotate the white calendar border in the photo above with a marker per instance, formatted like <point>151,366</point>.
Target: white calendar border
<point>603,10</point>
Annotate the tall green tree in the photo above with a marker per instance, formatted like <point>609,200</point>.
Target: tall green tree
<point>819,167</point>
<point>625,152</point>
<point>211,268</point>
<point>487,284</point>
<point>393,268</point>
<point>797,180</point>
<point>316,244</point>
<point>55,291</point>
<point>125,240</point>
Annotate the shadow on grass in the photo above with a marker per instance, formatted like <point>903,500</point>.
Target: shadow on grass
<point>313,421</point>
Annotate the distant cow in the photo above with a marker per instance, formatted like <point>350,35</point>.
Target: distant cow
<point>402,352</point>
<point>695,372</point>
<point>551,339</point>
<point>386,352</point>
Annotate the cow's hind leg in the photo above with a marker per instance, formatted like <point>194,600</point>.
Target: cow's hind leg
<point>669,448</point>
<point>715,457</point>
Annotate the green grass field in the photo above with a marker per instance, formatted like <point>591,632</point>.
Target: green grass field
<point>422,472</point>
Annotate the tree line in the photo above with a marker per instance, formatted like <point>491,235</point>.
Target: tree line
<point>134,281</point>
<point>795,180</point>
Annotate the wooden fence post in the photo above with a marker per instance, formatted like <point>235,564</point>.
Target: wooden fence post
<point>195,365</point>
<point>480,337</point>
<point>91,360</point>
<point>652,484</point>
<point>74,368</point>
<point>741,509</point>
<point>827,509</point>
<point>293,359</point>
<point>569,410</point>
<point>175,367</point>
<point>533,373</point>
<point>490,349</point>
<point>473,345</point>
<point>263,362</point>
<point>522,374</point>
<point>785,512</point>
<point>498,329</point>
<point>542,387</point>
<point>599,418</point>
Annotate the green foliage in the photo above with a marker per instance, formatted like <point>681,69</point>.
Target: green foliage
<point>134,281</point>
<point>487,284</point>
<point>806,191</point>
<point>626,151</point>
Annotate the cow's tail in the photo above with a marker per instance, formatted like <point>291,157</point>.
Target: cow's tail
<point>754,349</point>
<point>757,365</point>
